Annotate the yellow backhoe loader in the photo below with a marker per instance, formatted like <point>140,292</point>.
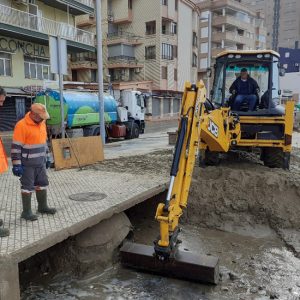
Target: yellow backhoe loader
<point>212,126</point>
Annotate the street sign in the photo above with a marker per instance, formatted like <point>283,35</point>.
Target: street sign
<point>56,48</point>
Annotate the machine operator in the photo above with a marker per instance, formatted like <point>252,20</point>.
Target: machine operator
<point>244,88</point>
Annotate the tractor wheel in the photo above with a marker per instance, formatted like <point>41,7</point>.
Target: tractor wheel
<point>275,158</point>
<point>210,159</point>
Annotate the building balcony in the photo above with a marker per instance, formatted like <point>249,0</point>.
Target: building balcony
<point>85,21</point>
<point>25,26</point>
<point>115,19</point>
<point>232,37</point>
<point>219,4</point>
<point>83,61</point>
<point>122,61</point>
<point>75,7</point>
<point>230,20</point>
<point>122,37</point>
<point>165,14</point>
<point>167,33</point>
<point>216,51</point>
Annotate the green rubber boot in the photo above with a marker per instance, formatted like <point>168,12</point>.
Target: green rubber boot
<point>43,207</point>
<point>3,231</point>
<point>27,212</point>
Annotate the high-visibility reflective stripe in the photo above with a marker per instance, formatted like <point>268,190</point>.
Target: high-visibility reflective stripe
<point>26,146</point>
<point>40,188</point>
<point>16,162</point>
<point>34,155</point>
<point>27,191</point>
<point>15,151</point>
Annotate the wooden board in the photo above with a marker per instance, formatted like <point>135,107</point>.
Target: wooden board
<point>77,152</point>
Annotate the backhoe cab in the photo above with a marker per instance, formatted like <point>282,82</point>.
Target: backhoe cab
<point>268,125</point>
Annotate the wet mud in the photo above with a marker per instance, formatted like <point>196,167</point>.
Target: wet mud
<point>242,212</point>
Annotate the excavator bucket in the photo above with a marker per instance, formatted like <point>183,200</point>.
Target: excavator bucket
<point>165,258</point>
<point>185,265</point>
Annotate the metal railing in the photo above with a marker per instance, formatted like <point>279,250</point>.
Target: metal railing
<point>83,57</point>
<point>89,3</point>
<point>32,22</point>
<point>122,59</point>
<point>123,35</point>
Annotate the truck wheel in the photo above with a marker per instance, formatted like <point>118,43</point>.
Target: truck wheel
<point>135,131</point>
<point>132,131</point>
<point>275,158</point>
<point>210,159</point>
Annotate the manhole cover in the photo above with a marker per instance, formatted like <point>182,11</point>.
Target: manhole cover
<point>89,196</point>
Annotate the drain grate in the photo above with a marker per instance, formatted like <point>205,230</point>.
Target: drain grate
<point>89,196</point>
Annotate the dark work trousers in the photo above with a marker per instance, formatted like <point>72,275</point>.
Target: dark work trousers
<point>34,178</point>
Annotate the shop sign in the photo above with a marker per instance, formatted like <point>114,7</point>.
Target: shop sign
<point>11,45</point>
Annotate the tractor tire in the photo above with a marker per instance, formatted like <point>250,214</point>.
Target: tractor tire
<point>210,159</point>
<point>275,158</point>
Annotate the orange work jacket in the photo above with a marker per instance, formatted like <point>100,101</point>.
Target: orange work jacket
<point>3,158</point>
<point>29,145</point>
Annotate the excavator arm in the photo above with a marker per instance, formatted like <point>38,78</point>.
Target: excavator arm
<point>199,129</point>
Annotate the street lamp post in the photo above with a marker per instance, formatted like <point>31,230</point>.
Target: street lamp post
<point>209,52</point>
<point>100,69</point>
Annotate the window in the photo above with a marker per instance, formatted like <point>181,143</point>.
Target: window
<point>175,74</point>
<point>204,48</point>
<point>173,28</point>
<point>203,63</point>
<point>204,32</point>
<point>130,4</point>
<point>175,51</point>
<point>94,75</point>
<point>195,39</point>
<point>167,51</point>
<point>204,16</point>
<point>194,60</point>
<point>176,4</point>
<point>5,64</point>
<point>164,2</point>
<point>151,27</point>
<point>150,52</point>
<point>164,72</point>
<point>37,68</point>
<point>164,28</point>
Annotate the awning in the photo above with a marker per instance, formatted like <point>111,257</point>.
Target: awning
<point>17,92</point>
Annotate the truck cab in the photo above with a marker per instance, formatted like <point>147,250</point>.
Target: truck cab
<point>134,102</point>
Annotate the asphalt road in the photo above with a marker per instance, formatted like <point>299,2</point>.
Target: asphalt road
<point>152,127</point>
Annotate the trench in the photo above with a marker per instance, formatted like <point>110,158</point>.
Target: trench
<point>253,263</point>
<point>242,212</point>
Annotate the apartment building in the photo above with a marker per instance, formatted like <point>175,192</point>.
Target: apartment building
<point>234,27</point>
<point>282,21</point>
<point>149,45</point>
<point>25,27</point>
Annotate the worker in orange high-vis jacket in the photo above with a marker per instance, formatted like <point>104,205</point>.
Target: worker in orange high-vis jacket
<point>3,161</point>
<point>30,160</point>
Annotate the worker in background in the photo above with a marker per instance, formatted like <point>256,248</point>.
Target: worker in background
<point>244,88</point>
<point>3,161</point>
<point>30,160</point>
